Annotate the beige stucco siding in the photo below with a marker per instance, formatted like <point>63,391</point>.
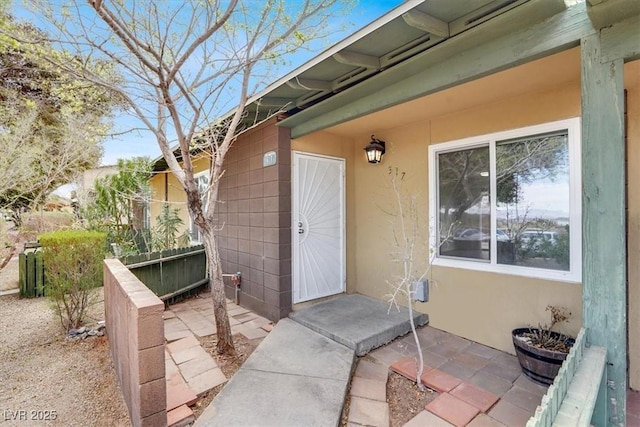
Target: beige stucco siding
<point>632,84</point>
<point>480,306</point>
<point>175,195</point>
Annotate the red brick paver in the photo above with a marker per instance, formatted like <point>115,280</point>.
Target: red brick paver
<point>452,409</point>
<point>181,416</point>
<point>440,381</point>
<point>408,368</point>
<point>473,395</point>
<point>179,393</point>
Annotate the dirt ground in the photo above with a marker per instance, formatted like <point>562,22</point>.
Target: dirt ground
<point>46,379</point>
<point>405,399</point>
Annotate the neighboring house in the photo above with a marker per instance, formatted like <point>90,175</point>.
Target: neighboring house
<point>86,183</point>
<point>508,117</point>
<point>85,192</point>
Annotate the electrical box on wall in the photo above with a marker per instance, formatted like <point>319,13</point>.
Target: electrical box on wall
<point>421,290</point>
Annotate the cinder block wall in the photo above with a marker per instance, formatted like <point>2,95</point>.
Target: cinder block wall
<point>255,215</point>
<point>136,338</point>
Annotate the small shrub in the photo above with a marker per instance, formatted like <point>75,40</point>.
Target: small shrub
<point>165,234</point>
<point>543,336</point>
<point>73,267</point>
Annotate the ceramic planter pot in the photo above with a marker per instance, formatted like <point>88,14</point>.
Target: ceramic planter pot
<point>539,364</point>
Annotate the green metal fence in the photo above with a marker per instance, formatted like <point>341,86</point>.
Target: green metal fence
<point>172,272</point>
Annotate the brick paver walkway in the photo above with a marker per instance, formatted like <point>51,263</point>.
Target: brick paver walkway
<point>190,370</point>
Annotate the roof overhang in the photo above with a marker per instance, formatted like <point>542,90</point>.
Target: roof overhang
<point>387,50</point>
<point>421,47</point>
<point>606,12</point>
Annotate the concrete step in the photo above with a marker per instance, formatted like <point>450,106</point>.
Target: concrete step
<point>358,322</point>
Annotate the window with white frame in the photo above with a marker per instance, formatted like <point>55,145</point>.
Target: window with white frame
<point>202,181</point>
<point>146,215</point>
<point>509,202</point>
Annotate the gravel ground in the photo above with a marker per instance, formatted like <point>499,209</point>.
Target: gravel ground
<point>9,275</point>
<point>46,379</point>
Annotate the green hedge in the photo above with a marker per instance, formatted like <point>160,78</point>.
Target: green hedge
<point>73,267</point>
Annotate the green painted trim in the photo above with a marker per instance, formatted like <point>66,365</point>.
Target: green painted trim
<point>475,53</point>
<point>606,12</point>
<point>603,221</point>
<point>621,40</point>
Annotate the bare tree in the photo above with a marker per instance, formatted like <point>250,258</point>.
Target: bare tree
<point>188,70</point>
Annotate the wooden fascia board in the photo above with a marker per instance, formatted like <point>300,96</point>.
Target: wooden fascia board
<point>606,12</point>
<point>621,40</point>
<point>470,55</point>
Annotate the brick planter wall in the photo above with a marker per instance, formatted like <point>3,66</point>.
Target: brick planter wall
<point>136,339</point>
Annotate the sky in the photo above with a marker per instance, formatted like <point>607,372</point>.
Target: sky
<point>139,143</point>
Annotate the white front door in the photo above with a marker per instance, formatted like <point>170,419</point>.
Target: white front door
<point>318,227</point>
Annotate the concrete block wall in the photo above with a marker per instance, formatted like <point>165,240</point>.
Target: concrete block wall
<point>136,339</point>
<point>255,209</point>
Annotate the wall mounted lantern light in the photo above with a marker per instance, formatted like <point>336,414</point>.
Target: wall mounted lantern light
<point>374,150</point>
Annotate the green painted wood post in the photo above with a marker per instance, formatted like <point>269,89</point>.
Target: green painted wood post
<point>31,275</point>
<point>39,273</point>
<point>603,225</point>
<point>22,274</point>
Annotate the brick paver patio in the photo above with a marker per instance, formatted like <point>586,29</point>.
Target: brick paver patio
<point>478,385</point>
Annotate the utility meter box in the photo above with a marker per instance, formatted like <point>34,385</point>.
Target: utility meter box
<point>421,290</point>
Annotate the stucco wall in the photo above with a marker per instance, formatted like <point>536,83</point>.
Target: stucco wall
<point>632,84</point>
<point>89,177</point>
<point>484,307</point>
<point>171,191</point>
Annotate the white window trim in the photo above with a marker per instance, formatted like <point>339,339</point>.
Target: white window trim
<point>574,275</point>
<point>191,224</point>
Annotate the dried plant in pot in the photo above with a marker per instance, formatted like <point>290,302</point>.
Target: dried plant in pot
<point>541,350</point>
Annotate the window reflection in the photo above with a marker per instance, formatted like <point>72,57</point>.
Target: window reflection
<point>464,205</point>
<point>533,201</point>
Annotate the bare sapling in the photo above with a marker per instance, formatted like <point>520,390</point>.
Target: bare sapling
<point>406,231</point>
